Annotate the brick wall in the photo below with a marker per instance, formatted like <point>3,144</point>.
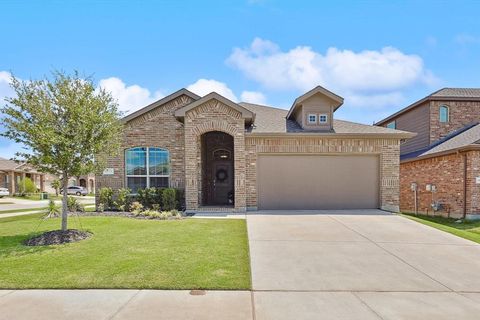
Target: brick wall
<point>388,149</point>
<point>157,128</point>
<point>213,116</point>
<point>447,174</point>
<point>461,114</point>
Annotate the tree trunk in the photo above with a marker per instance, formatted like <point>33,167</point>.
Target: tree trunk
<point>64,203</point>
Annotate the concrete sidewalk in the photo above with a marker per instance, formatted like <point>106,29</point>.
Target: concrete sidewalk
<point>123,304</point>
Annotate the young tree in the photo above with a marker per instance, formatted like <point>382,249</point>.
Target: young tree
<point>63,121</point>
<point>56,185</point>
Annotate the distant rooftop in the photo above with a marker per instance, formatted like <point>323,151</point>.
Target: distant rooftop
<point>442,94</point>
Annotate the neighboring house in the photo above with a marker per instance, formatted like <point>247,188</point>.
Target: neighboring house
<point>12,172</point>
<point>443,159</point>
<point>235,157</point>
<point>86,181</point>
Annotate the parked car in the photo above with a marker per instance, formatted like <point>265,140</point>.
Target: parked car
<point>76,190</point>
<point>4,192</point>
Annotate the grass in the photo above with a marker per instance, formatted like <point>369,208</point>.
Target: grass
<point>467,229</point>
<point>21,210</point>
<point>6,203</point>
<point>127,253</point>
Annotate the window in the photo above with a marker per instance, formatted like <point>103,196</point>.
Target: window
<point>392,125</point>
<point>443,114</point>
<point>323,118</point>
<point>312,118</point>
<point>147,167</point>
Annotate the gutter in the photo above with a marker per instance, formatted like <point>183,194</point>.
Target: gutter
<point>464,186</point>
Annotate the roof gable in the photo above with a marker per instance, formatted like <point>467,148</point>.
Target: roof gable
<point>160,102</point>
<point>317,90</point>
<point>248,115</point>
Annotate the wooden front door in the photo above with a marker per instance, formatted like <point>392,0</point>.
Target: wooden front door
<point>222,183</point>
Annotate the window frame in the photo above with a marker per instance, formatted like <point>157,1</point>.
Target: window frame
<point>444,107</point>
<point>312,115</point>
<point>147,176</point>
<point>394,122</point>
<point>323,115</point>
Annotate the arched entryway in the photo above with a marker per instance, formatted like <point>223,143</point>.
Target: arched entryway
<point>218,171</point>
<point>83,183</point>
<point>92,186</point>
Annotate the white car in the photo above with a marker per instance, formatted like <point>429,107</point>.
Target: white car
<point>4,192</point>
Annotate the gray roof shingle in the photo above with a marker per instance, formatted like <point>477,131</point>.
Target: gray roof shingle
<point>457,93</point>
<point>463,139</point>
<point>273,120</point>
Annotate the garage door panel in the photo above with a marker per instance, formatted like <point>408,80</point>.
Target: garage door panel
<point>318,182</point>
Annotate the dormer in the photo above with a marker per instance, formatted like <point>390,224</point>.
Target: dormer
<point>314,110</point>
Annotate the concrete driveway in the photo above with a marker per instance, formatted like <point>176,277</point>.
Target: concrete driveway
<point>363,264</point>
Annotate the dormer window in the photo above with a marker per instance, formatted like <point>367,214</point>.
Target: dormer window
<point>312,118</point>
<point>323,118</point>
<point>443,114</point>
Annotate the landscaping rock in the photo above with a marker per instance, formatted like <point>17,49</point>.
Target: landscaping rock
<point>58,237</point>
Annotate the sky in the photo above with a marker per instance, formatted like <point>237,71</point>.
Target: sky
<point>379,55</point>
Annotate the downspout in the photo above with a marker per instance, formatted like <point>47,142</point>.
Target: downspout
<point>464,185</point>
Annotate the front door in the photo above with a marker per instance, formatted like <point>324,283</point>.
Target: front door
<point>222,183</point>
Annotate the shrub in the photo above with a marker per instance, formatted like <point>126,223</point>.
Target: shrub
<point>147,197</point>
<point>52,210</point>
<point>73,205</point>
<point>26,185</point>
<point>180,197</point>
<point>136,208</point>
<point>169,200</point>
<point>123,199</point>
<point>106,197</point>
<point>100,207</point>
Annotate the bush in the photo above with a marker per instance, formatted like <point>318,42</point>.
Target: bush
<point>147,197</point>
<point>180,199</point>
<point>52,210</point>
<point>26,185</point>
<point>169,199</point>
<point>123,199</point>
<point>136,208</point>
<point>106,197</point>
<point>73,205</point>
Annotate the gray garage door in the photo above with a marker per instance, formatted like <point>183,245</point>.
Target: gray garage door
<point>312,182</point>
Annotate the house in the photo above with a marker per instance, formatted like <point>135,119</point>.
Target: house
<point>12,172</point>
<point>440,166</point>
<point>230,156</point>
<point>86,181</point>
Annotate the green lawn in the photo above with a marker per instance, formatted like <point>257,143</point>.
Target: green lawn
<point>128,253</point>
<point>21,210</point>
<point>468,229</point>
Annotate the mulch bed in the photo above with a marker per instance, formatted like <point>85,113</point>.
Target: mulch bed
<point>58,237</point>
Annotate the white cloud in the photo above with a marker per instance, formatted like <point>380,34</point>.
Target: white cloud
<point>360,75</point>
<point>466,39</point>
<point>129,98</point>
<point>205,86</point>
<point>253,97</point>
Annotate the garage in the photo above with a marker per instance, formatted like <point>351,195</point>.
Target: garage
<point>314,182</point>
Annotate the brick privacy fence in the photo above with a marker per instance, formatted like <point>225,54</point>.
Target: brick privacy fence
<point>446,173</point>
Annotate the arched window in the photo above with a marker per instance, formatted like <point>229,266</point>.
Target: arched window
<point>147,167</point>
<point>443,114</point>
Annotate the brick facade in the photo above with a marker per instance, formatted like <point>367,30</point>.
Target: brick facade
<point>160,128</point>
<point>157,128</point>
<point>213,116</point>
<point>447,174</point>
<point>387,149</point>
<point>461,113</point>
